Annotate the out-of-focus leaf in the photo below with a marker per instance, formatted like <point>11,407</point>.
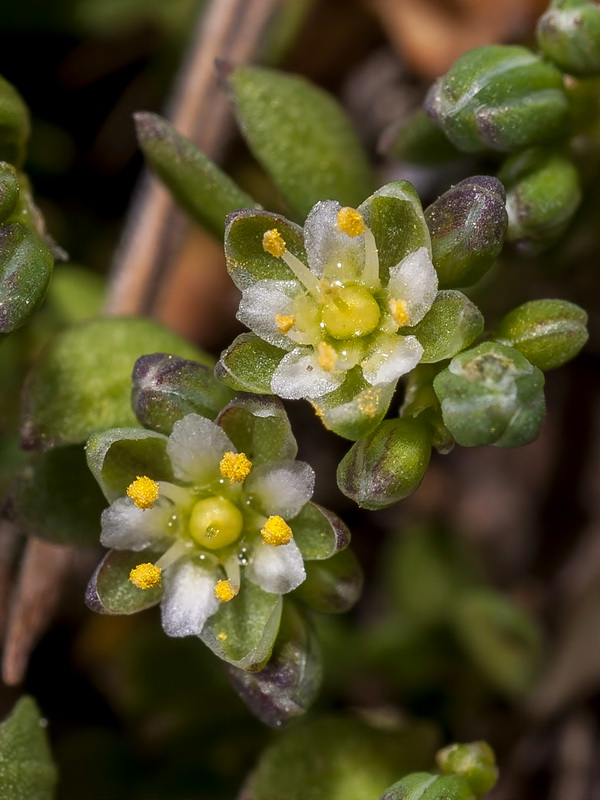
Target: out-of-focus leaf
<point>14,124</point>
<point>25,271</point>
<point>332,585</point>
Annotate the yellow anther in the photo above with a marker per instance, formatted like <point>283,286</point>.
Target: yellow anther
<point>145,576</point>
<point>235,466</point>
<point>225,591</point>
<point>221,636</point>
<point>284,322</point>
<point>143,491</point>
<point>326,356</point>
<point>399,312</point>
<point>350,222</point>
<point>273,243</point>
<point>276,532</point>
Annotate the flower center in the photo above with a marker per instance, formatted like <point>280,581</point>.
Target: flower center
<point>215,523</point>
<point>349,311</point>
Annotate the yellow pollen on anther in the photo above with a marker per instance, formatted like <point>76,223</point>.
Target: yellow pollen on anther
<point>350,222</point>
<point>273,243</point>
<point>276,532</point>
<point>235,466</point>
<point>284,322</point>
<point>399,312</point>
<point>221,636</point>
<point>225,591</point>
<point>145,576</point>
<point>143,491</point>
<point>326,356</point>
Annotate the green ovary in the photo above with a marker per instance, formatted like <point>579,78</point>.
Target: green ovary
<point>349,312</point>
<point>215,523</point>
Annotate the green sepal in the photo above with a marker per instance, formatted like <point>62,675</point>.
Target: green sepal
<point>81,382</point>
<point>247,260</point>
<point>118,456</point>
<point>395,216</point>
<point>452,323</point>
<point>475,762</point>
<point>9,190</point>
<point>491,394</point>
<point>418,141</point>
<point>569,34</point>
<point>196,183</point>
<point>318,532</point>
<point>421,401</point>
<point>25,271</point>
<point>57,499</point>
<point>248,364</point>
<point>287,686</point>
<point>260,428</point>
<point>549,333</point>
<point>110,591</point>
<point>387,465</point>
<point>425,786</point>
<point>27,769</point>
<point>503,641</point>
<point>301,136</point>
<point>468,225</point>
<point>166,388</point>
<point>248,625</point>
<point>331,586</point>
<point>14,125</point>
<point>356,408</point>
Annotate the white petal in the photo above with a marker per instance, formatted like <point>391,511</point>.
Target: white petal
<point>414,280</point>
<point>282,488</point>
<point>328,249</point>
<point>392,357</point>
<point>195,448</point>
<point>127,527</point>
<point>260,305</point>
<point>277,569</point>
<point>189,598</point>
<point>300,375</point>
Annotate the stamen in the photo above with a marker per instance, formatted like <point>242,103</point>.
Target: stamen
<point>350,222</point>
<point>221,636</point>
<point>145,576</point>
<point>225,591</point>
<point>235,466</point>
<point>276,531</point>
<point>326,356</point>
<point>284,322</point>
<point>273,243</point>
<point>143,491</point>
<point>399,312</point>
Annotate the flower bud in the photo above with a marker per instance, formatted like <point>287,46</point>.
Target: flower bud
<point>491,394</point>
<point>569,34</point>
<point>501,97</point>
<point>387,465</point>
<point>425,786</point>
<point>14,124</point>
<point>547,332</point>
<point>9,190</point>
<point>25,270</point>
<point>542,194</point>
<point>475,762</point>
<point>468,224</point>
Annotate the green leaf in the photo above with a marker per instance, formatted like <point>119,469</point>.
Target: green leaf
<point>286,687</point>
<point>81,383</point>
<point>166,388</point>
<point>14,124</point>
<point>318,532</point>
<point>248,364</point>
<point>243,631</point>
<point>260,428</point>
<point>111,592</point>
<point>425,786</point>
<point>196,183</point>
<point>25,271</point>
<point>118,456</point>
<point>331,586</point>
<point>302,138</point>
<point>9,190</point>
<point>452,323</point>
<point>56,498</point>
<point>27,770</point>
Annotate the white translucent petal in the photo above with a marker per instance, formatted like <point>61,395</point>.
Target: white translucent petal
<point>276,569</point>
<point>281,488</point>
<point>189,598</point>
<point>329,250</point>
<point>195,448</point>
<point>300,375</point>
<point>392,357</point>
<point>414,280</point>
<point>127,527</point>
<point>260,305</point>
